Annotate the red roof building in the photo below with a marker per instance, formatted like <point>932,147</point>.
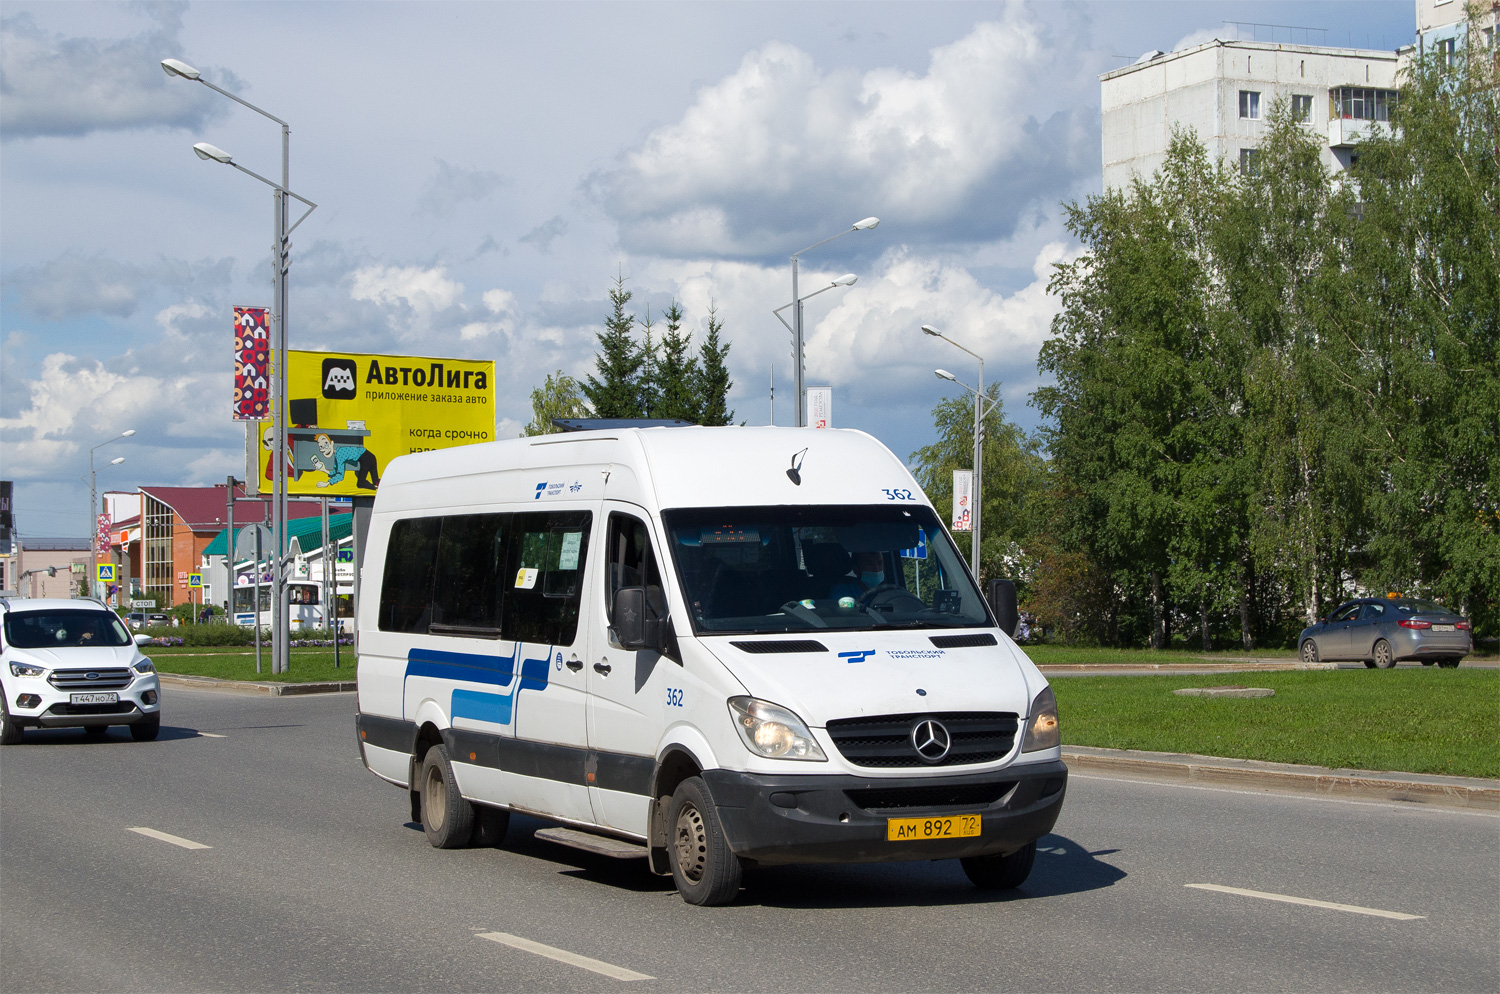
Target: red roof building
<point>177,523</point>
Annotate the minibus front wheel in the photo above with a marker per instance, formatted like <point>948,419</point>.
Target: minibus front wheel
<point>704,869</point>
<point>447,818</point>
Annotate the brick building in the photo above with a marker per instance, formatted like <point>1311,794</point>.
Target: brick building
<point>178,523</point>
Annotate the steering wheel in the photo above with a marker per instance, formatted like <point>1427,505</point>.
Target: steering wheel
<point>891,599</point>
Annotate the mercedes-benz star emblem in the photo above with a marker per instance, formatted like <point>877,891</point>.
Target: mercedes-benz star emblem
<point>931,740</point>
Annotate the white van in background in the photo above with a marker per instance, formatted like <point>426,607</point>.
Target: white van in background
<point>708,647</point>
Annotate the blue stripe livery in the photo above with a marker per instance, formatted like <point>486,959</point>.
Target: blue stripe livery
<point>470,667</point>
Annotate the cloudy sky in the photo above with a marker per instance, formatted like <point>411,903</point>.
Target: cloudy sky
<point>485,170</point>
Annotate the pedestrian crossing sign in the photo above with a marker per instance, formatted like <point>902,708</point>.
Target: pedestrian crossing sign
<point>106,572</point>
<point>195,581</point>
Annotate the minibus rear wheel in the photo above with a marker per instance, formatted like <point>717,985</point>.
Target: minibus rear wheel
<point>447,818</point>
<point>1000,872</point>
<point>705,871</point>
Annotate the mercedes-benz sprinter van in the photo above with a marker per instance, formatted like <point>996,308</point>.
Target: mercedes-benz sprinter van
<point>709,647</point>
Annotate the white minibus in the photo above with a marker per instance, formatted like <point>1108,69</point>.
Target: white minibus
<point>711,648</point>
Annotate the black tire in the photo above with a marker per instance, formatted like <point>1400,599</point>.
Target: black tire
<point>447,818</point>
<point>147,728</point>
<point>1369,664</point>
<point>1385,658</point>
<point>95,732</point>
<point>998,872</point>
<point>490,825</point>
<point>1309,651</point>
<point>10,732</point>
<point>703,868</point>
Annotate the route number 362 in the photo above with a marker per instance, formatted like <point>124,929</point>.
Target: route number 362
<point>897,494</point>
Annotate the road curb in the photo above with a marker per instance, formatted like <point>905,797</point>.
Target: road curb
<point>246,687</point>
<point>1365,785</point>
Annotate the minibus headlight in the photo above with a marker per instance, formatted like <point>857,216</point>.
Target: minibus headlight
<point>1041,726</point>
<point>26,669</point>
<point>772,731</point>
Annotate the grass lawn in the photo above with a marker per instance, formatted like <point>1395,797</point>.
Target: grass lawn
<point>1417,721</point>
<point>238,663</point>
<point>1047,655</point>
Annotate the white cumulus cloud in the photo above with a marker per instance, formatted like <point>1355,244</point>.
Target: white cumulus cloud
<point>781,150</point>
<point>56,85</point>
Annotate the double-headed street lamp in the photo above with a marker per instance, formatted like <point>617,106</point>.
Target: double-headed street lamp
<point>796,305</point>
<point>280,650</point>
<point>94,508</point>
<point>982,405</point>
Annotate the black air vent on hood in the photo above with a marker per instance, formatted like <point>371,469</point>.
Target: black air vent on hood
<point>962,641</point>
<point>782,645</point>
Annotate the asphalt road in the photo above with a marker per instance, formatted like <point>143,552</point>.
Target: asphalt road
<point>314,880</point>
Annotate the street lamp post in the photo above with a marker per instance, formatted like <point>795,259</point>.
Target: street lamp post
<point>280,649</point>
<point>94,509</point>
<point>848,279</point>
<point>982,405</point>
<point>796,326</point>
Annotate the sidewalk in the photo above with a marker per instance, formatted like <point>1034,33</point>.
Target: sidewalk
<point>1250,774</point>
<point>247,687</point>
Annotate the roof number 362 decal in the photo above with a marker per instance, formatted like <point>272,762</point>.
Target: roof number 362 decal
<point>891,494</point>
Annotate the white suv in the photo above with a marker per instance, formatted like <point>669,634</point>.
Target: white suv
<point>73,664</point>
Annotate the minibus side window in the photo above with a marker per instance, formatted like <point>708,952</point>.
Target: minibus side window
<point>631,561</point>
<point>406,588</point>
<point>470,566</point>
<point>543,577</point>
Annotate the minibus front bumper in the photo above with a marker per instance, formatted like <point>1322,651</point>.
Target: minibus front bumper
<point>790,818</point>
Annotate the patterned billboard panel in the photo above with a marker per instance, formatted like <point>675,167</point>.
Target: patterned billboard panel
<point>351,413</point>
<point>252,363</point>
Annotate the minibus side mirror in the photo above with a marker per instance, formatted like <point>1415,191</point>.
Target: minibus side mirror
<point>1002,598</point>
<point>636,621</point>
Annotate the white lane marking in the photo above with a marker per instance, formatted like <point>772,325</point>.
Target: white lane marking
<point>1415,807</point>
<point>211,735</point>
<point>563,956</point>
<point>1288,899</point>
<point>176,840</point>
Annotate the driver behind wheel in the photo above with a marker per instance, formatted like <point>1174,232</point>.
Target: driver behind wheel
<point>870,577</point>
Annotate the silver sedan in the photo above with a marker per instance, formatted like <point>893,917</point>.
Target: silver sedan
<point>1382,631</point>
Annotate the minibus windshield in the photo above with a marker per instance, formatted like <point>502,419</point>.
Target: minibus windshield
<point>795,568</point>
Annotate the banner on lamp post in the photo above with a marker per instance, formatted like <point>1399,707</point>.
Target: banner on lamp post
<point>252,363</point>
<point>820,407</point>
<point>963,500</point>
<point>105,535</point>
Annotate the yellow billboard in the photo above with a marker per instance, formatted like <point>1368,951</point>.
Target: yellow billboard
<point>350,413</point>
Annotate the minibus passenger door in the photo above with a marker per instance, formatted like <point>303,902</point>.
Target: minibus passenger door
<point>545,577</point>
<point>630,690</point>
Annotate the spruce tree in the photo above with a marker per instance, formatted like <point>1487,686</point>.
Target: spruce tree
<point>713,375</point>
<point>677,371</point>
<point>614,394</point>
<point>648,384</point>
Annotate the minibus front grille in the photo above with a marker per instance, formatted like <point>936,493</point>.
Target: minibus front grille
<point>101,679</point>
<point>886,740</point>
<point>969,795</point>
<point>782,645</point>
<point>963,641</point>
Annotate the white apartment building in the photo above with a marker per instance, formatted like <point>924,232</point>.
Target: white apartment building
<point>1224,90</point>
